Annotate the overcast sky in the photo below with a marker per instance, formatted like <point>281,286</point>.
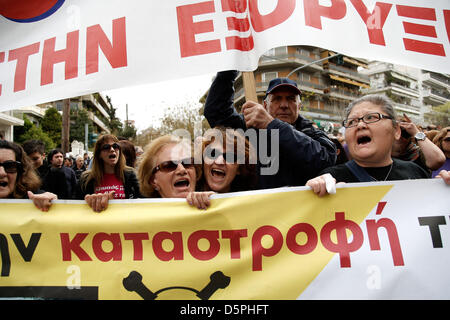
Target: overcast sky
<point>146,103</point>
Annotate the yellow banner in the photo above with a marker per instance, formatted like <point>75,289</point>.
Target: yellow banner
<point>248,246</point>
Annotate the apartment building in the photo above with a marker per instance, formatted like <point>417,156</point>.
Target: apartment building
<point>95,104</point>
<point>328,86</point>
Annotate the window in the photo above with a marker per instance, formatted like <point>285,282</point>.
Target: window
<point>267,76</point>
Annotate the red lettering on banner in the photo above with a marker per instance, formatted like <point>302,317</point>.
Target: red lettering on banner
<point>214,245</point>
<point>235,244</point>
<point>115,52</point>
<point>187,29</point>
<point>69,56</point>
<point>314,12</point>
<point>374,241</point>
<point>116,252</point>
<point>374,20</point>
<point>68,246</point>
<point>281,13</point>
<point>341,246</point>
<point>137,239</point>
<point>419,29</point>
<point>235,24</point>
<point>2,58</point>
<point>311,235</point>
<point>258,251</point>
<point>176,253</point>
<point>447,22</point>
<point>22,55</point>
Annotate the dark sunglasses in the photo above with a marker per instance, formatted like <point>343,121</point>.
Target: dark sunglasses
<point>213,154</point>
<point>108,146</point>
<point>11,166</point>
<point>172,165</point>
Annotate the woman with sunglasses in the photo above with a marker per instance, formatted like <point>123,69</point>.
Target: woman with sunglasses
<point>229,161</point>
<point>370,132</point>
<point>109,177</point>
<point>167,170</point>
<point>18,179</point>
<point>442,140</point>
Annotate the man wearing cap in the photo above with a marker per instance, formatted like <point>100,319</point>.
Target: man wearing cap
<point>303,151</point>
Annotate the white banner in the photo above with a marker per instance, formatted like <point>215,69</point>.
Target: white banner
<point>65,48</point>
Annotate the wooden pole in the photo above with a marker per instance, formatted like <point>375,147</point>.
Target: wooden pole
<point>65,126</point>
<point>249,86</point>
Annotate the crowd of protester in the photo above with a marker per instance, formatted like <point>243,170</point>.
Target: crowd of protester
<point>377,145</point>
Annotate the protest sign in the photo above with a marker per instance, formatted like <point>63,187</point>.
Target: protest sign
<point>63,49</point>
<point>382,240</point>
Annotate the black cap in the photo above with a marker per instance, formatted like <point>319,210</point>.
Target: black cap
<point>278,82</point>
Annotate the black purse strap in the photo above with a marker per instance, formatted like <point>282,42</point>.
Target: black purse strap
<point>359,172</point>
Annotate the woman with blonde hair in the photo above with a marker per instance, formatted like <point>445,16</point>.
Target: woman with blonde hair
<point>109,177</point>
<point>167,170</point>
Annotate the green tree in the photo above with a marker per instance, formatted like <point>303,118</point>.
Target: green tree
<point>114,124</point>
<point>78,119</point>
<point>440,115</point>
<point>51,124</point>
<point>128,132</point>
<point>31,132</point>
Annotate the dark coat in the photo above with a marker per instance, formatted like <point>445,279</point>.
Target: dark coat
<point>304,151</point>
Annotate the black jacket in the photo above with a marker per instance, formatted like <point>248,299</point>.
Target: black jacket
<point>60,181</point>
<point>304,151</point>
<point>131,186</point>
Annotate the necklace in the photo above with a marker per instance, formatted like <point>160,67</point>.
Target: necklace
<point>389,172</point>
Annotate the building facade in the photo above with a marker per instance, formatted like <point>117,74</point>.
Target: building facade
<point>329,85</point>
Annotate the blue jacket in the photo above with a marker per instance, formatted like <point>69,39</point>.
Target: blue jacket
<point>304,151</point>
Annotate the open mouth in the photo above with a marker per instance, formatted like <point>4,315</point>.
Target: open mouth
<point>363,140</point>
<point>3,184</point>
<point>218,173</point>
<point>112,156</point>
<point>184,183</point>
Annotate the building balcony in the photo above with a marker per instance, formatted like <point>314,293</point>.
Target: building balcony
<point>342,93</point>
<point>395,89</point>
<point>90,99</point>
<point>360,80</point>
<point>402,90</point>
<point>436,80</point>
<point>98,122</point>
<point>434,97</point>
<point>407,108</point>
<point>294,60</point>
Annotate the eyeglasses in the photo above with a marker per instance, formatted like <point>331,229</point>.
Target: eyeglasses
<point>108,146</point>
<point>213,154</point>
<point>367,118</point>
<point>172,165</point>
<point>11,166</point>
